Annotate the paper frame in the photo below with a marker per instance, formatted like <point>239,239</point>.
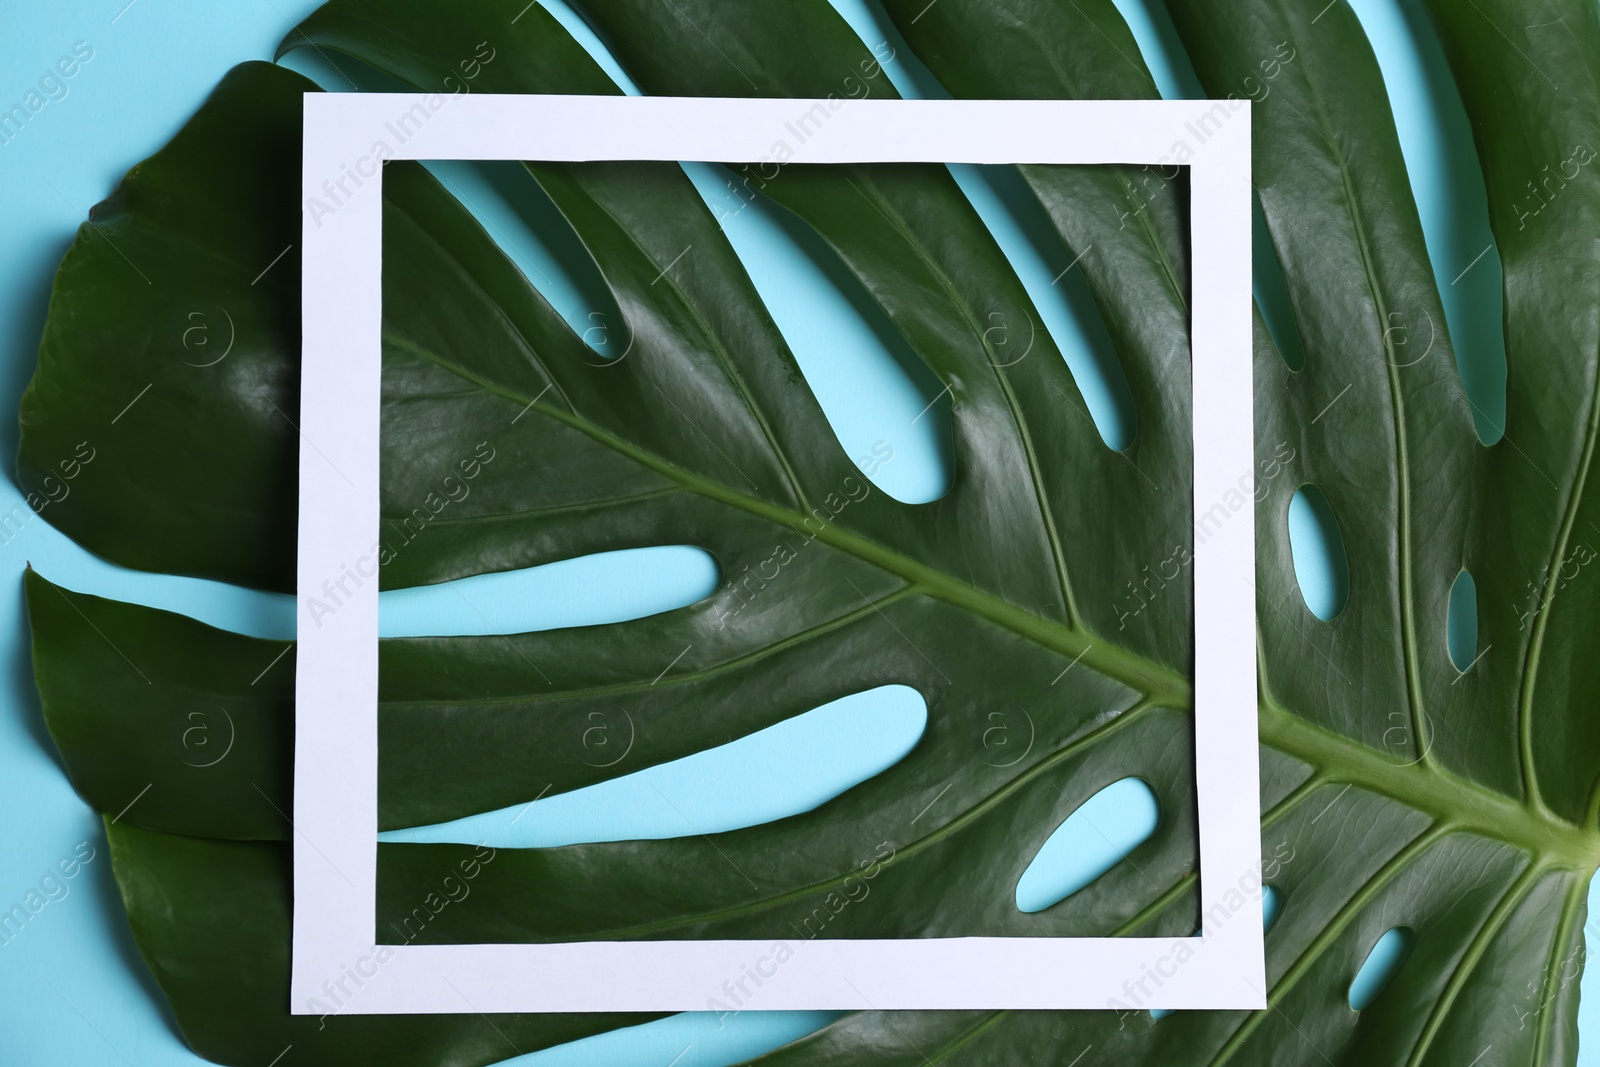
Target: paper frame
<point>336,965</point>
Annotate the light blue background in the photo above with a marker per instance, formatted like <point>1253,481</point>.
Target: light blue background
<point>72,986</point>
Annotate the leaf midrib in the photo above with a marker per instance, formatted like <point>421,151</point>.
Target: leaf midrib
<point>1136,672</point>
<point>1430,789</point>
<point>1424,786</point>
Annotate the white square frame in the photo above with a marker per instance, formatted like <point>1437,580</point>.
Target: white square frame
<point>336,964</point>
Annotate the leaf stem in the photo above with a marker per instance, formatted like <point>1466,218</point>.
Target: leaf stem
<point>1462,803</point>
<point>1424,785</point>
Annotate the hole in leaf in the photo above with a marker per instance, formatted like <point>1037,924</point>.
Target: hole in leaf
<point>1092,840</point>
<point>1461,621</point>
<point>1446,176</point>
<point>783,770</point>
<point>252,612</point>
<point>526,225</point>
<point>584,34</point>
<point>588,591</point>
<point>1271,905</point>
<point>1161,49</point>
<point>1031,244</point>
<point>878,395</point>
<point>1023,230</point>
<point>1320,566</point>
<point>1272,291</point>
<point>511,207</point>
<point>1380,966</point>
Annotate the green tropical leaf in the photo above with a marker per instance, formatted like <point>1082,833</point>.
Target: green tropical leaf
<point>1397,791</point>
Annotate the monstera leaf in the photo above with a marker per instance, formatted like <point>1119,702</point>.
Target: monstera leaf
<point>1397,790</point>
